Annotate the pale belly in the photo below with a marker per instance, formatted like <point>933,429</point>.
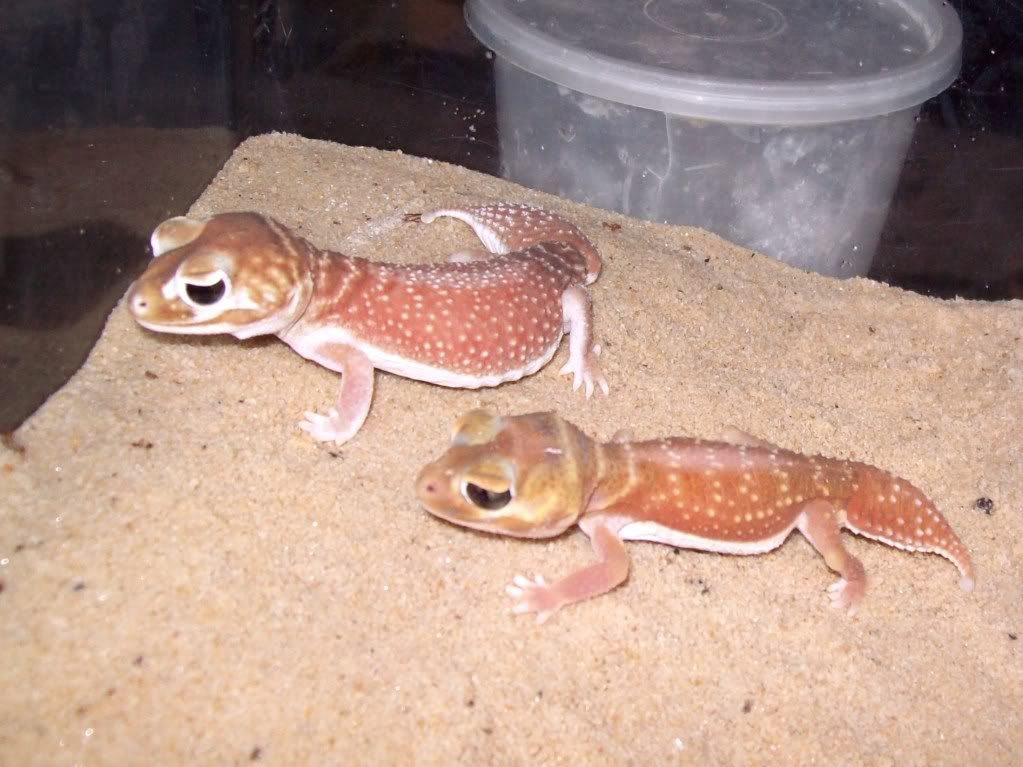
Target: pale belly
<point>310,346</point>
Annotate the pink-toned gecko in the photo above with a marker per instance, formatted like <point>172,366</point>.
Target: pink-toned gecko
<point>481,319</point>
<point>534,476</point>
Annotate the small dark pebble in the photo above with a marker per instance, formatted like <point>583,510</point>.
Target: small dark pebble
<point>256,754</point>
<point>138,660</point>
<point>1,587</point>
<point>20,547</point>
<point>687,248</point>
<point>985,504</point>
<point>79,586</point>
<point>1012,636</point>
<point>706,260</point>
<point>747,706</point>
<point>488,730</point>
<point>151,375</point>
<point>611,226</point>
<point>145,444</point>
<point>470,703</point>
<point>871,330</point>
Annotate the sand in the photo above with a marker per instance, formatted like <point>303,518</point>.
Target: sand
<point>186,578</point>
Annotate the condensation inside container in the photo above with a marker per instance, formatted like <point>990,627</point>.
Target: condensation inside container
<point>815,197</point>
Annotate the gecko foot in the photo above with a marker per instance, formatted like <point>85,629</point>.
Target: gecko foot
<point>326,428</point>
<point>533,596</point>
<point>585,371</point>
<point>846,595</point>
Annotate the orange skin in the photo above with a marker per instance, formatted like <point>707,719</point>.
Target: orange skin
<point>482,318</point>
<point>536,475</point>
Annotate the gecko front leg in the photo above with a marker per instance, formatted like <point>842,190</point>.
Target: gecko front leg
<point>353,399</point>
<point>610,569</point>
<point>577,311</point>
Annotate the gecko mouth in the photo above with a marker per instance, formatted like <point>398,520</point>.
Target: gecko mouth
<point>486,499</point>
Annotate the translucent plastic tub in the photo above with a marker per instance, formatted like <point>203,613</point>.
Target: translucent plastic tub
<point>781,126</point>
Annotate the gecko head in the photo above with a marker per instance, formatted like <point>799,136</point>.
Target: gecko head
<point>231,273</point>
<point>528,476</point>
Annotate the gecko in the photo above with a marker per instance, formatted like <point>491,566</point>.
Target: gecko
<point>480,319</point>
<point>537,475</point>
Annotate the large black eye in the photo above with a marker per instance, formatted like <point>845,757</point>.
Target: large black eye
<point>206,295</point>
<point>486,499</point>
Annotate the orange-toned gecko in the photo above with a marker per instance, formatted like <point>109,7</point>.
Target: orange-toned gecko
<point>480,319</point>
<point>534,476</point>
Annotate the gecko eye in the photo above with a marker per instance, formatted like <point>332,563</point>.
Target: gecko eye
<point>485,499</point>
<point>205,295</point>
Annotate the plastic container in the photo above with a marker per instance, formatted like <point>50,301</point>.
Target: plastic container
<point>779,125</point>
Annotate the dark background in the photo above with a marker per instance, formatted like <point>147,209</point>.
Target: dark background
<point>115,114</point>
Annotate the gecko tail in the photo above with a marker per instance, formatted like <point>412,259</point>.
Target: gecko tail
<point>507,227</point>
<point>893,511</point>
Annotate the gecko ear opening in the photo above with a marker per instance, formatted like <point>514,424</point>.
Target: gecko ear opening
<point>477,427</point>
<point>174,233</point>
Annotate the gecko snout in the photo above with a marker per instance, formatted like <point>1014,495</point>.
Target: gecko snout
<point>427,485</point>
<point>137,302</point>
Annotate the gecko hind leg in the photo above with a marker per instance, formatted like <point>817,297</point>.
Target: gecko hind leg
<point>582,352</point>
<point>820,525</point>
